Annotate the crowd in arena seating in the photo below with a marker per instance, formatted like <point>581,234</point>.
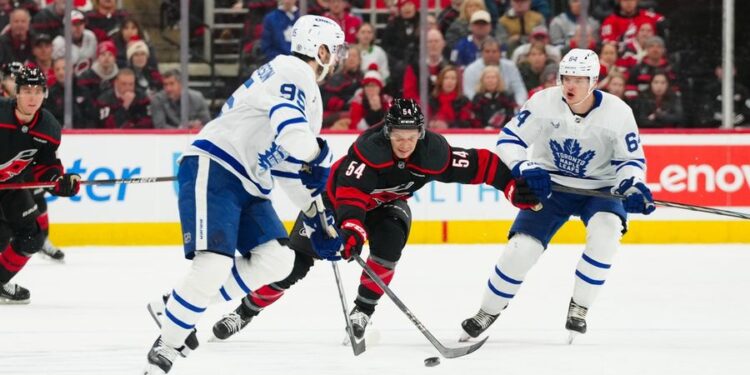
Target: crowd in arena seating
<point>484,58</point>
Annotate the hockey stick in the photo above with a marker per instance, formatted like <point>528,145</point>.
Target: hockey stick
<point>136,180</point>
<point>444,351</point>
<point>358,346</point>
<point>690,207</point>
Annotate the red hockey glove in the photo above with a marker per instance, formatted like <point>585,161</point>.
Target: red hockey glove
<point>353,235</point>
<point>520,195</point>
<point>67,185</point>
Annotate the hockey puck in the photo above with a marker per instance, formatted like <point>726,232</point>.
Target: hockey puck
<point>432,361</point>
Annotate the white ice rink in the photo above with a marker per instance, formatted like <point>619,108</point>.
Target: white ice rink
<point>664,310</point>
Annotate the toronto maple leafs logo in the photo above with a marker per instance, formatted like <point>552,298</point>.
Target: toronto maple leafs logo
<point>272,157</point>
<point>569,159</point>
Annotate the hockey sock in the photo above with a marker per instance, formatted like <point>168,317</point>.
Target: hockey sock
<point>190,298</point>
<point>263,297</point>
<point>270,262</point>
<point>11,262</point>
<point>369,293</point>
<point>519,256</point>
<point>603,233</point>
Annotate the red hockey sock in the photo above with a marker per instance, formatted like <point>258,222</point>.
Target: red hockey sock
<point>265,296</point>
<point>385,274</point>
<point>11,262</point>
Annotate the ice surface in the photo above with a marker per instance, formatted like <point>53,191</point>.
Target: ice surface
<point>680,309</point>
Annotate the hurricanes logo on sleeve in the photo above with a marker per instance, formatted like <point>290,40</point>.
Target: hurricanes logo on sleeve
<point>16,165</point>
<point>569,159</point>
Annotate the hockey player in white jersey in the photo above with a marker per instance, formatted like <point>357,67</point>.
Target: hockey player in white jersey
<point>267,128</point>
<point>576,136</point>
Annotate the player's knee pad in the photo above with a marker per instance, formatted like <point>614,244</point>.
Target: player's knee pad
<point>520,255</point>
<point>302,265</point>
<point>387,240</point>
<point>207,272</point>
<point>29,239</point>
<point>603,233</point>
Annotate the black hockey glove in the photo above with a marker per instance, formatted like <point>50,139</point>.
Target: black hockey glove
<point>67,185</point>
<point>314,174</point>
<point>353,235</point>
<point>520,195</point>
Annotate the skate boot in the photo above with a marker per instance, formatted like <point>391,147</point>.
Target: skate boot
<point>52,252</point>
<point>576,322</point>
<point>156,309</point>
<point>160,358</point>
<point>233,322</point>
<point>12,294</point>
<point>477,324</point>
<point>359,320</point>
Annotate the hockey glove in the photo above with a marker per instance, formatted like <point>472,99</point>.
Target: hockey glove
<point>537,178</point>
<point>325,246</point>
<point>353,236</point>
<point>67,185</point>
<point>314,174</point>
<point>520,195</point>
<point>638,199</point>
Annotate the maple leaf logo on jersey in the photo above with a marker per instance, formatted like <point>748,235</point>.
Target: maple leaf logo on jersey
<point>272,157</point>
<point>569,159</point>
<point>16,165</point>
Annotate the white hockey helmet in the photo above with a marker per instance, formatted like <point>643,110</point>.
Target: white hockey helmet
<point>310,32</point>
<point>582,63</point>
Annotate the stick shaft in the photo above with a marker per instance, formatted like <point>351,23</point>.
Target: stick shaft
<point>136,180</point>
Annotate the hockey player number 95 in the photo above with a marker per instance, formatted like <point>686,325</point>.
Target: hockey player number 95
<point>290,92</point>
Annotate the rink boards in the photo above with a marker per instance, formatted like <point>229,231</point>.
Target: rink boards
<point>706,169</point>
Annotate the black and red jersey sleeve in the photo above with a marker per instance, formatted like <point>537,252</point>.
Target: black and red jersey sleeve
<point>355,181</point>
<point>475,166</point>
<point>47,167</point>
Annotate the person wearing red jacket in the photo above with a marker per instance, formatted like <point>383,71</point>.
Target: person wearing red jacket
<point>449,108</point>
<point>369,104</point>
<point>338,11</point>
<point>622,25</point>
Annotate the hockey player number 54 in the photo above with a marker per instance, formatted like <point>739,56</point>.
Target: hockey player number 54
<point>463,162</point>
<point>353,169</point>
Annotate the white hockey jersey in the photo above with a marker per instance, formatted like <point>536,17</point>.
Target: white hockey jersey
<point>269,123</point>
<point>590,152</point>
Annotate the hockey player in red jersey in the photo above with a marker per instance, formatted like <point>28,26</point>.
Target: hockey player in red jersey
<point>367,192</point>
<point>29,137</point>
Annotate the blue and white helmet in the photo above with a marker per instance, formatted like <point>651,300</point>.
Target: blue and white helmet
<point>310,32</point>
<point>582,63</point>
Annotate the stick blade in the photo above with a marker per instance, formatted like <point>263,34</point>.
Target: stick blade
<point>462,351</point>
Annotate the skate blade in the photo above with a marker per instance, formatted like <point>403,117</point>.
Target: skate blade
<point>372,337</point>
<point>6,301</point>
<point>571,336</point>
<point>51,258</point>
<point>152,370</point>
<point>465,337</point>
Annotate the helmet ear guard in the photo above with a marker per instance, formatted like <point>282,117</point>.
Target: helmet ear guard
<point>404,114</point>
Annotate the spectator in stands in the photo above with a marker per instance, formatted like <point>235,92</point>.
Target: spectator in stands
<point>448,15</point>
<point>370,104</point>
<point>609,63</point>
<point>42,57</point>
<point>468,49</point>
<point>548,78</point>
<point>8,80</point>
<point>372,53</point>
<point>564,27</point>
<point>131,30</point>
<point>449,108</point>
<point>621,25</point>
<point>654,61</point>
<point>516,24</point>
<point>338,90</point>
<point>277,30</point>
<point>250,55</point>
<point>84,44</point>
<point>635,49</point>
<point>15,45</point>
<point>338,10</point>
<point>616,85</point>
<point>401,42</point>
<point>459,29</point>
<point>538,36</point>
<point>492,106</point>
<point>531,69</point>
<point>658,107</point>
<point>435,63</point>
<point>50,19</point>
<point>165,105</point>
<point>55,102</point>
<point>105,19</point>
<point>124,106</point>
<point>511,76</point>
<point>98,79</point>
<point>147,79</point>
<point>317,7</point>
<point>711,114</point>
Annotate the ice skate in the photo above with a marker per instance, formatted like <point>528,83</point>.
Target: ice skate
<point>156,310</point>
<point>359,320</point>
<point>477,324</point>
<point>160,358</point>
<point>13,294</point>
<point>576,322</point>
<point>50,251</point>
<point>232,323</point>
